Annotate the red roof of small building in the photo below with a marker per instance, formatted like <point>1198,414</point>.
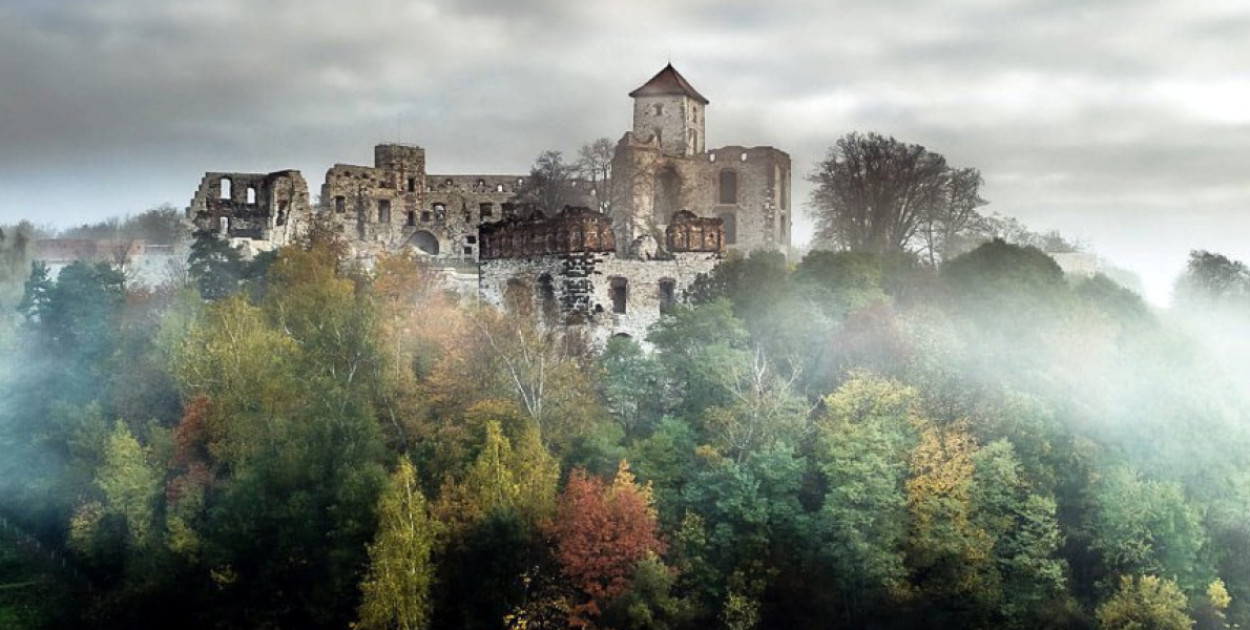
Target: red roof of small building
<point>668,82</point>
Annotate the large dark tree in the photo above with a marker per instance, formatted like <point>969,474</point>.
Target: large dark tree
<point>876,194</point>
<point>548,188</point>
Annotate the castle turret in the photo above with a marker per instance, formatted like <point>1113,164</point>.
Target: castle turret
<point>669,108</point>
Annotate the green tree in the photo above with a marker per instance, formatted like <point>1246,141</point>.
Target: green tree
<point>1145,603</point>
<point>396,592</point>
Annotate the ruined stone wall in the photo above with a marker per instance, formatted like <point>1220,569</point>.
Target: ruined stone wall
<point>649,189</point>
<point>261,210</point>
<point>633,189</point>
<point>578,287</point>
<point>761,214</point>
<point>369,204</point>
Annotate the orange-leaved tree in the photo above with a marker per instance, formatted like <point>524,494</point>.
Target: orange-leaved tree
<point>601,532</point>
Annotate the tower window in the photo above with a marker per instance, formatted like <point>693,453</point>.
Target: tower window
<point>728,187</point>
<point>412,217</point>
<point>659,109</point>
<point>412,184</point>
<point>340,203</point>
<point>251,194</point>
<point>618,290</point>
<point>226,186</point>
<point>485,210</point>
<point>384,211</point>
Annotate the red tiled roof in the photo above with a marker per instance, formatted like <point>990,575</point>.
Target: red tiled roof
<point>668,82</point>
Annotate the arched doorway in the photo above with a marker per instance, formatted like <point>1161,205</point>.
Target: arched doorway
<point>424,242</point>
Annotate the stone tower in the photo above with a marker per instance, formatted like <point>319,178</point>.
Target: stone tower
<point>668,108</point>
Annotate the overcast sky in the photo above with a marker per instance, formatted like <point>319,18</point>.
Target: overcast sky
<point>1123,123</point>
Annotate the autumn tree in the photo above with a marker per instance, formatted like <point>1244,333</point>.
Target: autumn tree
<point>396,592</point>
<point>1145,601</point>
<point>877,194</point>
<point>602,532</point>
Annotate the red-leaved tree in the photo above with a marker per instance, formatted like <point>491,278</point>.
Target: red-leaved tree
<point>601,532</point>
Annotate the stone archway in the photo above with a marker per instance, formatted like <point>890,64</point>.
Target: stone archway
<point>424,242</point>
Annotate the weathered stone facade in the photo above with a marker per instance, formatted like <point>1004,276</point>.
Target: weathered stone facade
<point>661,168</point>
<point>568,268</point>
<point>257,211</point>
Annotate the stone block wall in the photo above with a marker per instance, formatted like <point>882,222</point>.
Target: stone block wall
<point>267,210</point>
<point>607,293</point>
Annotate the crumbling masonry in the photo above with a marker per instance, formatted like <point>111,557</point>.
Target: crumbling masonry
<point>675,209</point>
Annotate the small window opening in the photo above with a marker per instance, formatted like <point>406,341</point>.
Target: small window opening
<point>711,157</point>
<point>468,251</point>
<point>226,188</point>
<point>340,203</point>
<point>425,216</point>
<point>668,294</point>
<point>471,239</point>
<point>485,210</point>
<point>384,211</point>
<point>728,187</point>
<point>412,184</point>
<point>251,194</point>
<point>498,187</point>
<point>412,217</point>
<point>731,227</point>
<point>744,156</point>
<point>619,292</point>
<point>547,295</point>
<point>659,109</point>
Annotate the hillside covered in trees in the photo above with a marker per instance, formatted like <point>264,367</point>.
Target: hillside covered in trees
<point>849,441</point>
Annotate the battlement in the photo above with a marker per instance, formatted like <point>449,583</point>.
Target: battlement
<point>573,230</point>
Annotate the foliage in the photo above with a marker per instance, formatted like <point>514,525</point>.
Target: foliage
<point>602,532</point>
<point>1144,601</point>
<point>396,593</point>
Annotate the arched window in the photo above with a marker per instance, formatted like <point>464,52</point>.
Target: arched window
<point>251,194</point>
<point>728,187</point>
<point>226,188</point>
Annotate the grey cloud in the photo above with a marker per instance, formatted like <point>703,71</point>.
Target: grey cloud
<point>1077,112</point>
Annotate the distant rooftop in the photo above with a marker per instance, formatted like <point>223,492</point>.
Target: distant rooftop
<point>668,82</point>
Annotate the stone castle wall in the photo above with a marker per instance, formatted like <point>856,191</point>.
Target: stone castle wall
<point>265,210</point>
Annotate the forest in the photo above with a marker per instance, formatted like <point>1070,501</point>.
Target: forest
<point>848,440</point>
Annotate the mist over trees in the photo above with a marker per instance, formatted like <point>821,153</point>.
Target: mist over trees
<point>855,440</point>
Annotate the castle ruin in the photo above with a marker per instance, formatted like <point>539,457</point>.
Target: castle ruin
<point>674,209</point>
